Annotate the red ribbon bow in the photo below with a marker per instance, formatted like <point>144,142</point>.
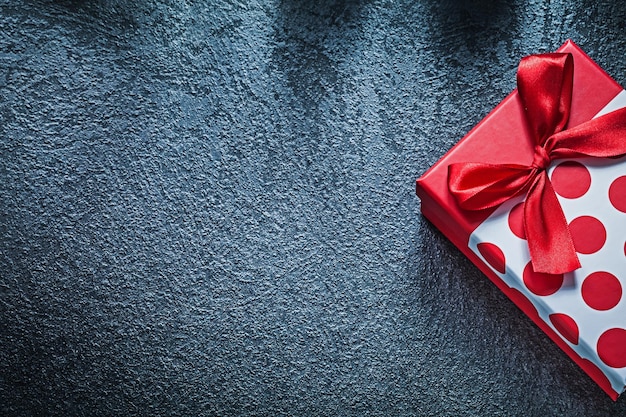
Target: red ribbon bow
<point>545,88</point>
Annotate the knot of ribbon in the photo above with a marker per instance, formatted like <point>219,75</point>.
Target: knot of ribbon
<point>544,84</point>
<point>541,159</point>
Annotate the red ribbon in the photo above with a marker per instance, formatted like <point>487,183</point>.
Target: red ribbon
<point>545,88</point>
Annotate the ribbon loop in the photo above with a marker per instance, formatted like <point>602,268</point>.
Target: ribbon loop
<point>545,88</point>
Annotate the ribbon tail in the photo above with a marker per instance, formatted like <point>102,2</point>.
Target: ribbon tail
<point>549,240</point>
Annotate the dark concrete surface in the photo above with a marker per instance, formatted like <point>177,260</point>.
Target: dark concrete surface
<point>208,209</point>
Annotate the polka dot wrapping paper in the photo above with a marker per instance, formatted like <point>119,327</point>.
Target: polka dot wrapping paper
<point>583,311</point>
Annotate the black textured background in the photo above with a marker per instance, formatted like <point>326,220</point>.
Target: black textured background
<point>207,208</point>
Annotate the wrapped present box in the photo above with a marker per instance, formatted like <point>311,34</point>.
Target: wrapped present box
<point>581,308</point>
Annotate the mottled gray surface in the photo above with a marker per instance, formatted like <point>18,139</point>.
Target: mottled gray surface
<point>207,208</point>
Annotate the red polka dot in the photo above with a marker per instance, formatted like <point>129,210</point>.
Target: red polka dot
<point>617,194</point>
<point>493,255</point>
<point>601,291</point>
<point>588,234</point>
<point>612,347</point>
<point>565,325</point>
<point>571,179</point>
<point>539,283</point>
<point>516,221</point>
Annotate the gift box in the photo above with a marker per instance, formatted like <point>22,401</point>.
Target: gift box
<point>550,228</point>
